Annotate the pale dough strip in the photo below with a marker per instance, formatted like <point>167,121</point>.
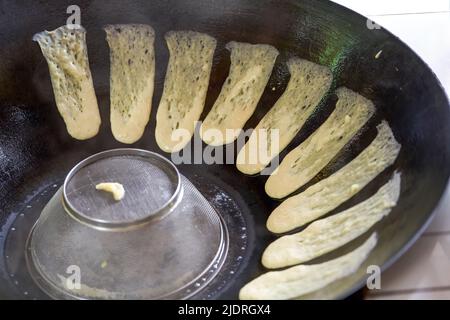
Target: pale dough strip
<point>328,234</point>
<point>250,69</point>
<point>185,87</point>
<point>303,279</point>
<point>66,53</point>
<point>308,84</point>
<point>305,161</point>
<point>132,76</point>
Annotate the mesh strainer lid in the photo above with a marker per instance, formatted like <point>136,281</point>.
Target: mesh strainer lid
<point>174,256</point>
<point>151,183</point>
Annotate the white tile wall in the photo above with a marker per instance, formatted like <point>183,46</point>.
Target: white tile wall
<point>384,7</point>
<point>428,35</point>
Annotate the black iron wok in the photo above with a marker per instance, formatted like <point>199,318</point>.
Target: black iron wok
<point>36,152</point>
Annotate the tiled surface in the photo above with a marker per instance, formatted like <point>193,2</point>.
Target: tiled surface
<point>424,271</point>
<point>441,222</point>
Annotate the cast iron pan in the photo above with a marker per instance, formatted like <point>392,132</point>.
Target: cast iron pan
<point>36,152</point>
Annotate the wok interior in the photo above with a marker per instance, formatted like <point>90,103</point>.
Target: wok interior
<point>35,149</point>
